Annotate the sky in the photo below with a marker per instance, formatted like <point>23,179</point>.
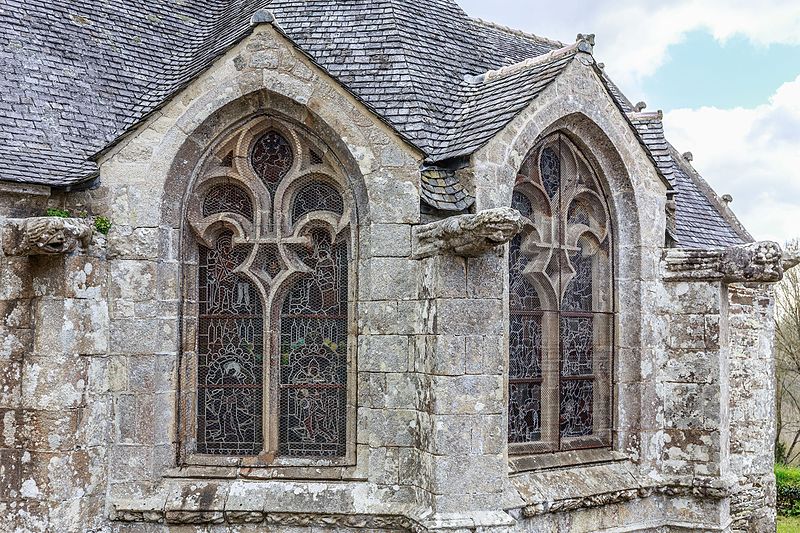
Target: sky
<point>725,73</point>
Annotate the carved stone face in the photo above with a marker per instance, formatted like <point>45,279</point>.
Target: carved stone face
<point>49,236</point>
<point>54,240</point>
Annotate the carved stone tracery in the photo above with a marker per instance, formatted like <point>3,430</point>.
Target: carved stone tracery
<point>273,219</point>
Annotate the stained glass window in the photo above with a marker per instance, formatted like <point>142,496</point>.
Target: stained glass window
<point>560,305</point>
<point>313,368</point>
<point>272,158</point>
<point>230,354</point>
<point>273,306</point>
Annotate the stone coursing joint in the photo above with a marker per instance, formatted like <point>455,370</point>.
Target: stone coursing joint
<point>760,262</point>
<point>44,235</point>
<point>468,235</point>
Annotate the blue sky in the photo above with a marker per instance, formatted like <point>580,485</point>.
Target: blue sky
<point>701,71</point>
<point>726,73</point>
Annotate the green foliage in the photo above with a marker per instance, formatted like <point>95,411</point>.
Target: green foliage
<point>788,524</point>
<point>102,224</point>
<point>787,479</point>
<point>56,212</point>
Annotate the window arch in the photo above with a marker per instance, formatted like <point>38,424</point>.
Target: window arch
<point>274,275</point>
<point>561,305</point>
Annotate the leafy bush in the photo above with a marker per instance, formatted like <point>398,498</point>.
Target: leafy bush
<point>56,212</point>
<point>102,224</point>
<point>787,480</point>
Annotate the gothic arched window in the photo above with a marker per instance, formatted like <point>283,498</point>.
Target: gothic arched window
<point>273,225</point>
<point>561,305</point>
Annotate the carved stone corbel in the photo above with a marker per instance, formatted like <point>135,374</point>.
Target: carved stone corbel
<point>757,262</point>
<point>468,235</point>
<point>44,235</point>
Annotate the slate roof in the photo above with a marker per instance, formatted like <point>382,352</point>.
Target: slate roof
<point>77,75</point>
<point>701,219</point>
<point>441,189</point>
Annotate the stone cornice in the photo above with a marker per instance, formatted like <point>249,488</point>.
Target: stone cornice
<point>758,262</point>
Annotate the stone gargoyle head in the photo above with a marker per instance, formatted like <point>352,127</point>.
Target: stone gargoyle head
<point>44,235</point>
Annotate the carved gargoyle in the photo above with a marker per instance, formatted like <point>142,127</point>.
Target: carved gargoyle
<point>44,235</point>
<point>469,235</point>
<point>758,262</point>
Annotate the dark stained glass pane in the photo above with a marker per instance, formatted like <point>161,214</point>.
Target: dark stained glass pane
<point>577,401</point>
<point>521,203</point>
<point>522,294</point>
<point>577,342</point>
<point>524,412</point>
<point>227,198</point>
<point>317,196</point>
<point>578,295</point>
<point>550,170</point>
<point>230,354</point>
<point>525,346</point>
<point>271,159</point>
<point>313,355</point>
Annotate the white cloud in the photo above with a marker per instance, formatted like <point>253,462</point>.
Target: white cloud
<point>752,154</point>
<point>633,35</point>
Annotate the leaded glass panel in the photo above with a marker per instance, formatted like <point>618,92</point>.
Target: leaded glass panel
<point>560,293</point>
<point>313,368</point>
<point>272,301</point>
<point>230,354</point>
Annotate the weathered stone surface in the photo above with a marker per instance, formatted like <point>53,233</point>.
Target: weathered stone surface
<point>44,235</point>
<point>761,262</point>
<point>98,407</point>
<point>468,235</point>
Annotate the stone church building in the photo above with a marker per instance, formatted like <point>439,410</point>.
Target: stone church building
<point>371,266</point>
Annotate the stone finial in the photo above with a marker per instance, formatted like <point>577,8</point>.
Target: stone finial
<point>468,235</point>
<point>44,235</point>
<point>262,16</point>
<point>758,262</point>
<point>640,106</point>
<point>727,198</point>
<point>585,42</point>
<point>688,157</point>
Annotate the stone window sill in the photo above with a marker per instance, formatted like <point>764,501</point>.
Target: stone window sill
<point>285,472</point>
<point>598,478</point>
<point>566,459</point>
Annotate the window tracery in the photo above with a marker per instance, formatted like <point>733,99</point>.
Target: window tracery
<point>561,305</point>
<point>274,275</point>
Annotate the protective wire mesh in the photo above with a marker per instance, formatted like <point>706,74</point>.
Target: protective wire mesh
<point>561,306</point>
<point>273,317</point>
<point>230,354</point>
<point>313,368</point>
<point>227,198</point>
<point>272,158</point>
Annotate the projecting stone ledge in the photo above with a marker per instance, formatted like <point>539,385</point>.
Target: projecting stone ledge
<point>44,235</point>
<point>757,262</point>
<point>468,235</point>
